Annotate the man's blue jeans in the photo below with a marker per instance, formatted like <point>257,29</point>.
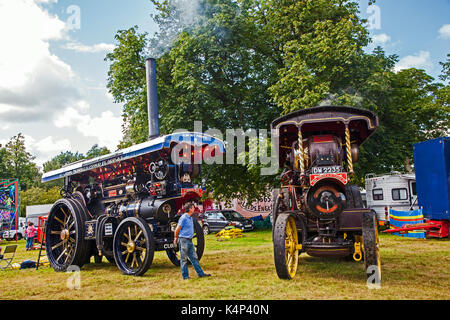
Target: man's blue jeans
<point>187,251</point>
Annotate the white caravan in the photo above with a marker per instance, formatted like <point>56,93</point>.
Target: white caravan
<point>391,191</point>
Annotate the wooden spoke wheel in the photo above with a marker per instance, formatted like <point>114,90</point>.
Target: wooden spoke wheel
<point>285,246</point>
<point>371,250</point>
<point>133,246</point>
<point>64,234</point>
<point>199,244</point>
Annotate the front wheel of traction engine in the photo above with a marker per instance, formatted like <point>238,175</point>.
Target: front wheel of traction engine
<point>64,234</point>
<point>199,244</point>
<point>133,246</point>
<point>371,251</point>
<point>285,246</point>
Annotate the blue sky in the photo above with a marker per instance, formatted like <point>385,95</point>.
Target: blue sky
<point>413,27</point>
<point>53,74</point>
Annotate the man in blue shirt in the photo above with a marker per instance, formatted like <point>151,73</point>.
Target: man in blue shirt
<point>183,235</point>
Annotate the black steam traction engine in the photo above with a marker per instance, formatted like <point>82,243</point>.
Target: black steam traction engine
<point>317,211</point>
<point>124,205</point>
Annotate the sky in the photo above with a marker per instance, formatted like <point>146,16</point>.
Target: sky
<point>53,74</point>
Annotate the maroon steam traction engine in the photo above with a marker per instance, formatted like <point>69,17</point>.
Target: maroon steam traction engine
<point>317,211</point>
<point>124,205</point>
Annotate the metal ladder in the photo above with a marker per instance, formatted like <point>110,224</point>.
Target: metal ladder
<point>41,243</point>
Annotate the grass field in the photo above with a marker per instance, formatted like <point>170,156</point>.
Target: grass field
<point>244,269</point>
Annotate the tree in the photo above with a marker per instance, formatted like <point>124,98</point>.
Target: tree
<point>212,74</point>
<point>445,76</point>
<point>19,162</point>
<point>67,157</point>
<point>320,44</point>
<point>410,109</point>
<point>127,83</point>
<point>96,151</point>
<point>4,172</point>
<point>241,64</point>
<point>37,196</point>
<point>62,159</point>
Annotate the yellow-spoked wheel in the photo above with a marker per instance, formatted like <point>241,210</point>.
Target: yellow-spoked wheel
<point>199,244</point>
<point>64,234</point>
<point>133,246</point>
<point>371,247</point>
<point>285,246</point>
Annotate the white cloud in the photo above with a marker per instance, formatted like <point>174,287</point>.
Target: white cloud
<point>109,96</point>
<point>49,145</point>
<point>381,38</point>
<point>419,61</point>
<point>3,142</point>
<point>33,81</point>
<point>444,31</point>
<point>25,30</point>
<point>106,129</point>
<point>79,47</point>
<point>46,148</point>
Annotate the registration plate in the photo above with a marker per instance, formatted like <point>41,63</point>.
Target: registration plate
<point>331,169</point>
<point>248,225</point>
<point>108,229</point>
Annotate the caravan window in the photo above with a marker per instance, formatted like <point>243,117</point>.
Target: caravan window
<point>399,194</point>
<point>413,187</point>
<point>377,194</point>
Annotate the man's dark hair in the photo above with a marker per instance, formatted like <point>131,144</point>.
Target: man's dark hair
<point>188,206</point>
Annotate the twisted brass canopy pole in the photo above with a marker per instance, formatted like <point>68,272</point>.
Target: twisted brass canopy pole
<point>300,145</point>
<point>348,149</point>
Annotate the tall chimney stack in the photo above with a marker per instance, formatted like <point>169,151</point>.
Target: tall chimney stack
<point>152,99</point>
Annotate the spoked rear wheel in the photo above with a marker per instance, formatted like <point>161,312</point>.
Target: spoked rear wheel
<point>285,246</point>
<point>134,246</point>
<point>64,234</point>
<point>199,245</point>
<point>371,248</point>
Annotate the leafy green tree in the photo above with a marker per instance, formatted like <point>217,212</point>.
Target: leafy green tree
<point>320,43</point>
<point>410,109</point>
<point>127,83</point>
<point>68,157</point>
<point>445,76</point>
<point>62,159</point>
<point>4,172</point>
<point>240,64</point>
<point>96,151</point>
<point>37,196</point>
<point>19,162</point>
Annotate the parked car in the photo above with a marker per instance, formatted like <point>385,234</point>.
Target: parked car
<point>11,234</point>
<point>216,220</point>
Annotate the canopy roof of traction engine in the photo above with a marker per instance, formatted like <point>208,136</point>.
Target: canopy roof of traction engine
<point>324,120</point>
<point>155,145</point>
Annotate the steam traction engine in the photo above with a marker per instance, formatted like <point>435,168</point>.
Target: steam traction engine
<point>124,205</point>
<point>317,211</point>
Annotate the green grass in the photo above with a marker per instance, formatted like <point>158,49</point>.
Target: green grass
<point>243,269</point>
